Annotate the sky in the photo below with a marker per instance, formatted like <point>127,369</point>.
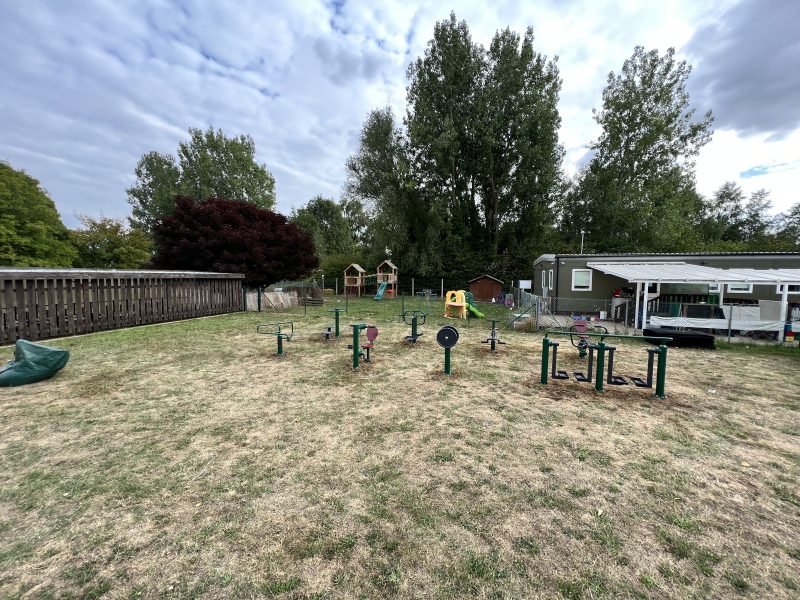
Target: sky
<point>88,86</point>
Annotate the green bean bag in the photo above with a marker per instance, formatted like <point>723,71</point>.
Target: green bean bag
<point>32,362</point>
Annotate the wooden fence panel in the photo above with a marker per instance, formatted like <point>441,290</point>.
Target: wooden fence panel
<point>45,303</point>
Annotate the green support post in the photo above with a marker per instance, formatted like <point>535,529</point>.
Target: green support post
<point>661,375</point>
<point>414,327</point>
<point>545,359</point>
<point>447,361</point>
<point>336,312</point>
<point>601,355</point>
<point>258,291</point>
<point>402,306</point>
<point>280,345</point>
<point>357,327</point>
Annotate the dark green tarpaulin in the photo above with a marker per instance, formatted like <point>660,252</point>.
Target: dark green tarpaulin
<point>32,362</point>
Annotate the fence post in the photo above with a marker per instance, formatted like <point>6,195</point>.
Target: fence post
<point>412,287</point>
<point>244,298</point>
<point>730,319</point>
<point>442,295</point>
<point>258,291</point>
<point>336,293</point>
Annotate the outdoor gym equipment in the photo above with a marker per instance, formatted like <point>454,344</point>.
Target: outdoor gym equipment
<point>275,329</point>
<point>327,333</point>
<point>600,348</point>
<point>493,339</point>
<point>372,334</point>
<point>447,338</point>
<point>579,339</point>
<point>416,315</point>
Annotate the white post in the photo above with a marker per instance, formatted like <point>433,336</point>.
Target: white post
<point>721,293</point>
<point>636,314</point>
<point>784,310</point>
<point>442,295</point>
<point>644,307</point>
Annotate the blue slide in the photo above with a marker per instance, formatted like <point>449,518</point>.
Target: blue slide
<point>381,289</point>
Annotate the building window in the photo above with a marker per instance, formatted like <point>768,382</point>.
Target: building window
<point>713,288</point>
<point>581,280</point>
<point>550,279</point>
<point>544,280</point>
<point>740,288</point>
<point>793,289</point>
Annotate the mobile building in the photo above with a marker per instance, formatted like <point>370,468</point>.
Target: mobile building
<point>577,275</point>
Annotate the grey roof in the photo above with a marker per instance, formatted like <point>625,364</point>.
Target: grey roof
<point>657,255</point>
<point>358,268</point>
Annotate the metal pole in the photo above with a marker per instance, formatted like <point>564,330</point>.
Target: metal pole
<point>636,311</point>
<point>730,319</point>
<point>601,355</point>
<point>356,329</point>
<point>661,374</point>
<point>336,293</point>
<point>414,327</point>
<point>336,312</point>
<point>280,345</point>
<point>447,361</point>
<point>258,291</point>
<point>402,305</point>
<point>545,352</point>
<point>582,232</point>
<point>412,287</point>
<point>442,294</point>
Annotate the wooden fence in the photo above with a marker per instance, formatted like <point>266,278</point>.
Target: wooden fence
<point>37,304</point>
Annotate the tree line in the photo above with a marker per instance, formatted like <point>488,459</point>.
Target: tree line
<point>470,180</point>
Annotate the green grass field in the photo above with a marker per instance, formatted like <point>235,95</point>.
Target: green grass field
<point>185,460</point>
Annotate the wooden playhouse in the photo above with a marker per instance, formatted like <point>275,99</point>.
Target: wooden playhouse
<point>354,280</point>
<point>387,273</point>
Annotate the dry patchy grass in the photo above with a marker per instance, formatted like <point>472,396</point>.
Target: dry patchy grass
<point>186,460</point>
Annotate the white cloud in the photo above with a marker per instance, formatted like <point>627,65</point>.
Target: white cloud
<point>87,89</point>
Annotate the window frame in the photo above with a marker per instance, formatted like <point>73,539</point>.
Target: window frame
<point>544,280</point>
<point>581,289</point>
<point>714,288</point>
<point>749,289</point>
<point>550,279</point>
<point>779,290</point>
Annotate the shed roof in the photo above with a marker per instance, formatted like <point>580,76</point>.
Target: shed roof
<point>388,262</point>
<point>681,272</point>
<point>486,277</point>
<point>358,268</point>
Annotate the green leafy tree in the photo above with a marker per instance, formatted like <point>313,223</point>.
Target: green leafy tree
<point>31,231</point>
<point>407,218</point>
<point>638,190</point>
<point>519,158</point>
<point>210,164</point>
<point>722,220</point>
<point>757,224</point>
<point>107,244</point>
<point>323,219</point>
<point>788,229</point>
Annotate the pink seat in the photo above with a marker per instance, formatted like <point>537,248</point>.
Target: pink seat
<point>372,334</point>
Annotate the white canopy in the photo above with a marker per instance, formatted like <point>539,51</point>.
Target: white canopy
<point>681,272</point>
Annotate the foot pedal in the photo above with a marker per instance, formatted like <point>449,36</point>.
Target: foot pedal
<point>561,375</point>
<point>580,376</point>
<point>639,382</point>
<point>617,380</point>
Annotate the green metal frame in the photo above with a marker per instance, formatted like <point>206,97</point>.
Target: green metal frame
<point>336,312</point>
<point>601,348</point>
<point>276,330</point>
<point>415,315</point>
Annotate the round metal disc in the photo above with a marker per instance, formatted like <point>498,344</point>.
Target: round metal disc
<point>447,336</point>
